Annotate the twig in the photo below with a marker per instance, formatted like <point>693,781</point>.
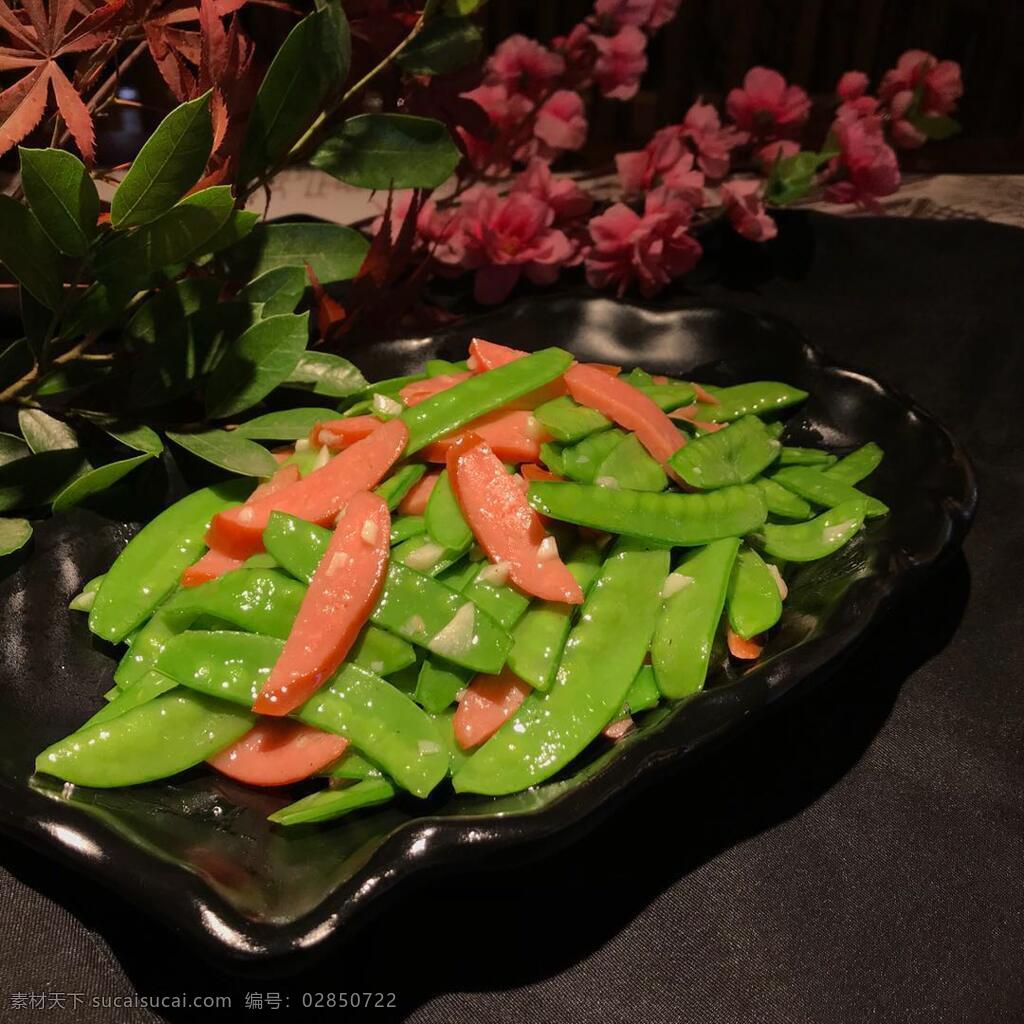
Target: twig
<point>65,357</point>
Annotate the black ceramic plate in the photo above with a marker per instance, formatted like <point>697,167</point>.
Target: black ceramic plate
<point>196,851</point>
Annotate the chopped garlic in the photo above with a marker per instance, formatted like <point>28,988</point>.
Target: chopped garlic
<point>338,562</point>
<point>428,747</point>
<point>676,581</point>
<point>547,549</point>
<point>459,694</point>
<point>425,556</point>
<point>331,439</point>
<point>385,405</point>
<point>457,636</point>
<point>608,481</point>
<point>414,624</point>
<point>246,514</point>
<point>779,581</point>
<point>377,666</point>
<point>369,532</point>
<point>322,457</point>
<point>496,575</point>
<point>472,364</point>
<point>302,445</point>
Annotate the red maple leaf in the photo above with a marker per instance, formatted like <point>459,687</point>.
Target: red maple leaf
<point>37,34</point>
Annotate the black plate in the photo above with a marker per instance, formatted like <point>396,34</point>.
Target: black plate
<point>196,851</point>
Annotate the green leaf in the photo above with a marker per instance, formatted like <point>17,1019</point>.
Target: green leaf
<point>35,321</point>
<point>238,226</point>
<point>227,450</point>
<point>936,128</point>
<point>256,363</point>
<point>389,151</point>
<point>73,377</point>
<point>326,374</point>
<point>44,433</point>
<point>14,534</point>
<point>167,166</point>
<point>335,252</point>
<point>287,425</point>
<point>99,307</point>
<point>62,197</point>
<point>309,67</point>
<point>167,310</point>
<point>443,45</point>
<point>35,480</point>
<point>12,448</point>
<point>28,254</point>
<point>276,291</point>
<point>15,361</point>
<point>460,8</point>
<point>141,438</point>
<point>792,177</point>
<point>96,480</point>
<point>131,260</point>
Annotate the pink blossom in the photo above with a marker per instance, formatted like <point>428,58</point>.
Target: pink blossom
<point>862,106</point>
<point>780,150</point>
<point>869,163</point>
<point>578,50</point>
<point>639,170</point>
<point>435,229</point>
<point>703,127</point>
<point>743,202</point>
<point>561,123</point>
<point>940,82</point>
<point>568,201</point>
<point>621,62</point>
<point>506,113</point>
<point>767,107</point>
<point>505,237</point>
<point>522,65</point>
<point>685,180</point>
<point>648,250</point>
<point>645,14</point>
<point>903,132</point>
<point>852,85</point>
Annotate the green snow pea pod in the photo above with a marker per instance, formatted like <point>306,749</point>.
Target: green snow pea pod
<point>381,652</point>
<point>602,656</point>
<point>732,456</point>
<point>328,804</point>
<point>753,602</point>
<point>427,556</point>
<point>457,757</point>
<point>352,765</point>
<point>551,456</point>
<point>791,455</point>
<point>857,465</point>
<point>668,396</point>
<point>503,603</point>
<point>373,715</point>
<point>539,636</point>
<point>460,575</point>
<point>806,542</point>
<point>404,527</point>
<point>261,560</point>
<point>668,518</point>
<point>685,632</point>
<point>444,519</point>
<point>161,737</point>
<point>581,460</point>
<point>151,685</point>
<point>568,422</point>
<point>297,544</point>
<point>628,465</point>
<point>391,385</point>
<point>149,567</point>
<point>440,367</point>
<point>82,601</point>
<point>446,411</point>
<point>775,428</point>
<point>439,682</point>
<point>821,489</point>
<point>643,693</point>
<point>755,398</point>
<point>781,502</point>
<point>304,458</point>
<point>400,483</point>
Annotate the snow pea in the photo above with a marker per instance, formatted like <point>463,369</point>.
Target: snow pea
<point>444,519</point>
<point>781,502</point>
<point>551,456</point>
<point>857,465</point>
<point>381,652</point>
<point>352,765</point>
<point>82,601</point>
<point>404,527</point>
<point>400,483</point>
<point>457,757</point>
<point>446,411</point>
<point>390,385</point>
<point>373,715</point>
<point>602,656</point>
<point>568,422</point>
<point>791,455</point>
<point>643,693</point>
<point>151,685</point>
<point>732,456</point>
<point>629,466</point>
<point>502,602</point>
<point>667,518</point>
<point>440,367</point>
<point>668,396</point>
<point>754,398</point>
<point>148,569</point>
<point>297,544</point>
<point>581,460</point>
<point>328,804</point>
<point>427,556</point>
<point>161,737</point>
<point>753,602</point>
<point>821,489</point>
<point>460,575</point>
<point>685,631</point>
<point>806,542</point>
<point>439,682</point>
<point>539,636</point>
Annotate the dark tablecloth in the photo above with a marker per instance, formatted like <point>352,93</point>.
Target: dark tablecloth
<point>857,857</point>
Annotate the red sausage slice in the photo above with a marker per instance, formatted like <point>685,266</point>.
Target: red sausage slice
<point>278,752</point>
<point>487,703</point>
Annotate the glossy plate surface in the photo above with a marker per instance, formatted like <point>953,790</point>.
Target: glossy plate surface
<point>196,851</point>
